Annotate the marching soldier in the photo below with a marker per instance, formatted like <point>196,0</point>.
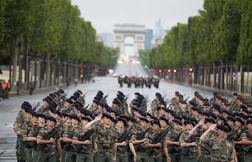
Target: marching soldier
<point>222,150</point>
<point>82,143</point>
<point>47,144</point>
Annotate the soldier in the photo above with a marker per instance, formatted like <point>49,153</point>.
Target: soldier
<point>122,140</point>
<point>154,104</point>
<point>19,126</point>
<point>173,140</point>
<point>138,140</point>
<point>82,142</point>
<point>67,137</point>
<point>43,108</point>
<point>154,150</point>
<point>47,146</point>
<point>188,143</point>
<point>104,139</point>
<point>32,137</point>
<point>246,142</point>
<point>222,150</point>
<point>204,149</point>
<point>32,126</point>
<point>233,104</point>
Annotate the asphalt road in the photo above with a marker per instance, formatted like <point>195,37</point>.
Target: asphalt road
<point>9,108</point>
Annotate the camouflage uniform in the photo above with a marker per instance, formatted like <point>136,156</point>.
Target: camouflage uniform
<point>94,109</point>
<point>70,154</point>
<point>35,150</point>
<point>19,125</point>
<point>174,150</point>
<point>105,139</point>
<point>174,104</point>
<point>221,151</point>
<point>122,154</point>
<point>47,152</point>
<point>247,157</point>
<point>28,146</point>
<point>142,156</point>
<point>84,153</point>
<point>154,154</point>
<point>234,106</point>
<point>43,110</point>
<point>189,154</point>
<point>205,148</point>
<point>154,106</point>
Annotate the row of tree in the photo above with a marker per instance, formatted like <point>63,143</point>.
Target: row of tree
<point>220,35</point>
<point>48,30</point>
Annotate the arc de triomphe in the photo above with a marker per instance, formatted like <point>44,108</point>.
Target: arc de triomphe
<point>123,31</point>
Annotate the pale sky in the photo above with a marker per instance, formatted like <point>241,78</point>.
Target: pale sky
<point>105,13</point>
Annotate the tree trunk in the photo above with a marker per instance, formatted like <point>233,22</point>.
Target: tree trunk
<point>14,54</point>
<point>47,69</point>
<point>27,69</point>
<point>214,76</point>
<point>242,79</point>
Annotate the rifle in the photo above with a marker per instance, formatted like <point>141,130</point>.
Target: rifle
<point>86,107</point>
<point>187,98</point>
<point>124,103</point>
<point>52,133</point>
<point>103,100</point>
<point>35,107</point>
<point>125,135</point>
<point>160,136</point>
<point>83,137</point>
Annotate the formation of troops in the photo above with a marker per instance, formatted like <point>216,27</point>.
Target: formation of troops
<point>198,130</point>
<point>138,81</point>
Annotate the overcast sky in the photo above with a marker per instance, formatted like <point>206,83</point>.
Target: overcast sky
<point>105,13</point>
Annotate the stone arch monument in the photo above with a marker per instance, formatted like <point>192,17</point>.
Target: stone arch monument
<point>123,31</point>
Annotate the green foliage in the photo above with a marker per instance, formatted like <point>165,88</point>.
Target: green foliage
<point>245,47</point>
<point>221,33</point>
<point>51,27</point>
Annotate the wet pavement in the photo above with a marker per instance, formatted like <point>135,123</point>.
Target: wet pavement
<point>9,108</point>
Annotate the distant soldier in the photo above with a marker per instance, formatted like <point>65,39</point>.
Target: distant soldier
<point>154,104</point>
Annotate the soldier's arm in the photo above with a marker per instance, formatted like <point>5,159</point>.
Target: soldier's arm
<point>43,142</point>
<point>148,144</point>
<point>234,156</point>
<point>196,127</point>
<point>66,138</point>
<point>132,149</point>
<point>134,141</point>
<point>78,142</point>
<point>245,141</point>
<point>90,124</point>
<point>204,135</point>
<point>183,143</point>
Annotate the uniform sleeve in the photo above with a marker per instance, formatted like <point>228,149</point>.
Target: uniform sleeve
<point>164,143</point>
<point>182,137</point>
<point>147,139</point>
<point>41,134</point>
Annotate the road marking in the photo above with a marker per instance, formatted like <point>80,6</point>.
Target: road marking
<point>9,125</point>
